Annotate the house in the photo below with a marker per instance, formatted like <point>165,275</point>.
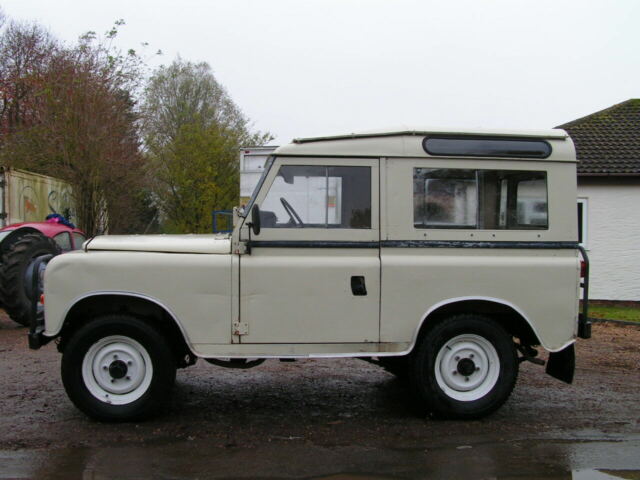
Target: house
<point>608,150</point>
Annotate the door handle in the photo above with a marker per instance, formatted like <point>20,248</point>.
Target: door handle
<point>358,286</point>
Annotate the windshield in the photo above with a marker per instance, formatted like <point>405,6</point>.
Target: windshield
<point>267,167</point>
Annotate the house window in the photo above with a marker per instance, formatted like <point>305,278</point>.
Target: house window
<point>480,199</point>
<point>582,221</point>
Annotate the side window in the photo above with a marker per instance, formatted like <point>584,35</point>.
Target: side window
<point>480,199</point>
<point>64,241</point>
<point>445,198</point>
<point>305,196</point>
<point>78,240</point>
<point>531,210</point>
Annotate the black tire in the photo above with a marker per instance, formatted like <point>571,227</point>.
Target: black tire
<point>106,342</point>
<point>456,355</point>
<point>15,264</point>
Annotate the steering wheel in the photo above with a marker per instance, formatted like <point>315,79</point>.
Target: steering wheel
<point>295,218</point>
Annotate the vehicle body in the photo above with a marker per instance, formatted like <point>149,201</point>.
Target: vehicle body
<point>429,250</point>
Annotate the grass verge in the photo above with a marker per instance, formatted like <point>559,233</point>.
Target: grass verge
<point>615,312</point>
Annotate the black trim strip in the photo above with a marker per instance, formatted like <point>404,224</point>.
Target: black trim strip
<point>475,244</point>
<point>409,244</point>
<point>312,244</point>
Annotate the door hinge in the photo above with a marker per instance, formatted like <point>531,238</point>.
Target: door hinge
<point>240,328</point>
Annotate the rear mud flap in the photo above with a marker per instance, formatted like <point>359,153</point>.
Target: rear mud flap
<point>562,364</point>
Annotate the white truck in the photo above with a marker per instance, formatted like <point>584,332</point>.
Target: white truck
<point>445,256</point>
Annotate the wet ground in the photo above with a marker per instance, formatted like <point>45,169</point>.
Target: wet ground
<point>329,419</point>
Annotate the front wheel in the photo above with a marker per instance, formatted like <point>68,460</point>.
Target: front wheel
<point>118,368</point>
<point>465,367</point>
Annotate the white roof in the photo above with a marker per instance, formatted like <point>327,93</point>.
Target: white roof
<point>407,142</point>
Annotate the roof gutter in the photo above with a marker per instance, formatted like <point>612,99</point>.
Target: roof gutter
<point>427,132</point>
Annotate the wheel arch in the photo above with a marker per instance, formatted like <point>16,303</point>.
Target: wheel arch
<point>509,316</point>
<point>146,308</point>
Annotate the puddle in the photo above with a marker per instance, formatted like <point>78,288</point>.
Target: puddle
<point>515,460</point>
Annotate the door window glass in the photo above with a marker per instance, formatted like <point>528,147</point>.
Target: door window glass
<point>306,196</point>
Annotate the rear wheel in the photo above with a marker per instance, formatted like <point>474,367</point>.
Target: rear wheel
<point>465,367</point>
<point>15,274</point>
<point>118,368</point>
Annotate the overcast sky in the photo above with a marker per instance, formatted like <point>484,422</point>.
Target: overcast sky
<point>299,68</point>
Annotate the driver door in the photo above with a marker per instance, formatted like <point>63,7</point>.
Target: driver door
<point>313,274</point>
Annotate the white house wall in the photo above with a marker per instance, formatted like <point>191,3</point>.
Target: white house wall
<point>613,236</point>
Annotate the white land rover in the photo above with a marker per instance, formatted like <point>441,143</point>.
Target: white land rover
<point>445,256</point>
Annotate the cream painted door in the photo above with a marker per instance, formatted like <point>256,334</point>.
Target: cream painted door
<point>313,274</point>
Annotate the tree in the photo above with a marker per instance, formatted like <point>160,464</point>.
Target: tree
<point>192,132</point>
<point>83,128</point>
<point>25,52</point>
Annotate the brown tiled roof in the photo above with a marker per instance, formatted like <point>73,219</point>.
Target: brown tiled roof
<point>608,142</point>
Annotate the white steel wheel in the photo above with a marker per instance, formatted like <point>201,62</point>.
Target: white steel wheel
<point>467,367</point>
<point>117,370</point>
<point>464,367</point>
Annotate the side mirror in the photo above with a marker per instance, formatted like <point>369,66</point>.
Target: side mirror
<point>255,219</point>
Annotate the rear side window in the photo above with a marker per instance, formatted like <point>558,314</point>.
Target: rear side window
<point>480,199</point>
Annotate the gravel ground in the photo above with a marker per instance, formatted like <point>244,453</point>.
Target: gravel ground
<point>325,403</point>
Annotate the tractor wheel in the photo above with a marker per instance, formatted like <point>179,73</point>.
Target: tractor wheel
<point>15,274</point>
